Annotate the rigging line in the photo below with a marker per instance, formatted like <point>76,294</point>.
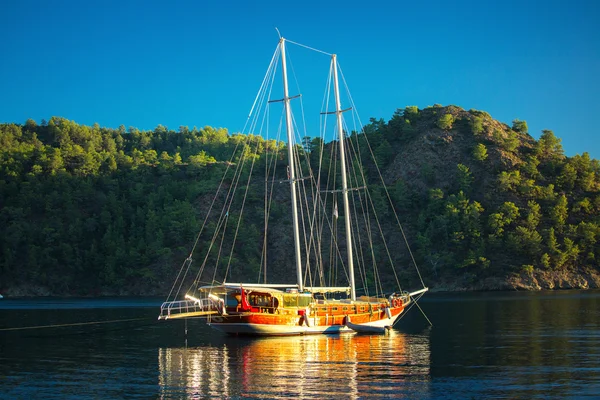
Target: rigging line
<point>270,69</point>
<point>323,208</point>
<point>353,150</point>
<point>315,232</point>
<point>361,265</point>
<point>215,197</point>
<point>268,166</point>
<point>357,248</point>
<point>319,225</point>
<point>313,237</point>
<point>272,164</point>
<point>72,324</point>
<point>261,90</point>
<point>241,211</point>
<point>396,216</point>
<point>263,253</point>
<point>387,250</point>
<point>308,243</point>
<point>219,252</point>
<point>382,180</point>
<point>235,186</point>
<point>264,99</point>
<point>242,162</point>
<point>308,47</point>
<point>297,131</point>
<point>302,191</point>
<point>317,183</point>
<point>220,223</point>
<point>414,301</point>
<point>331,177</point>
<point>177,280</point>
<point>273,167</point>
<point>380,287</point>
<point>227,168</point>
<point>330,225</point>
<point>352,175</point>
<point>359,242</point>
<point>332,171</point>
<point>228,200</point>
<point>411,305</point>
<point>422,312</point>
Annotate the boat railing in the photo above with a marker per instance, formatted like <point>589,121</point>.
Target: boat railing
<point>182,308</point>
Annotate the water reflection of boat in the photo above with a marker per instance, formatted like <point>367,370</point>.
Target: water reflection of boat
<point>348,366</point>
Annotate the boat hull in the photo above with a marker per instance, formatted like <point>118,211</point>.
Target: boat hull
<point>260,324</point>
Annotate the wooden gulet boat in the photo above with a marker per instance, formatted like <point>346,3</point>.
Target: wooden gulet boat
<point>302,307</point>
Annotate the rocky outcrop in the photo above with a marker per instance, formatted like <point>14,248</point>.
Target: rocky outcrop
<point>538,279</point>
<point>548,280</point>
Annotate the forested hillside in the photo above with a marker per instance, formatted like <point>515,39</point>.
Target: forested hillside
<point>91,210</point>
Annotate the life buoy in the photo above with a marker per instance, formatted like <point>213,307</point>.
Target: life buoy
<point>395,303</point>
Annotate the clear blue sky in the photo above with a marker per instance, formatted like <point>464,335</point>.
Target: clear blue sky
<point>197,63</point>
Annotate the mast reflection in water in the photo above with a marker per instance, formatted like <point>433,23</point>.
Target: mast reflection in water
<point>346,366</point>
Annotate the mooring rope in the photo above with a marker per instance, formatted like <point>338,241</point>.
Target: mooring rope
<point>73,324</point>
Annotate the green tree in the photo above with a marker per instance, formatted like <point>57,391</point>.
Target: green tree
<point>480,152</point>
<point>177,159</point>
<point>529,241</point>
<point>201,160</point>
<point>531,167</point>
<point>476,124</point>
<point>534,214</point>
<point>560,211</point>
<point>464,178</point>
<point>549,146</point>
<point>519,126</point>
<point>511,142</point>
<point>509,181</point>
<point>566,180</point>
<point>545,260</point>
<point>445,122</point>
<point>411,113</point>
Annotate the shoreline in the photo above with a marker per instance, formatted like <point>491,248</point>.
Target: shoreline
<point>534,281</point>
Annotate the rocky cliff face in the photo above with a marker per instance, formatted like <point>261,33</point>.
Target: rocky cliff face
<point>548,280</point>
<point>537,280</point>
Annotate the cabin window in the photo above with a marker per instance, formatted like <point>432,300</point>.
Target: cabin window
<point>304,301</point>
<point>260,300</point>
<point>345,309</point>
<point>290,301</point>
<point>334,309</point>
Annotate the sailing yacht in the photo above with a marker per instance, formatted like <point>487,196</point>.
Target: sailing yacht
<point>315,303</point>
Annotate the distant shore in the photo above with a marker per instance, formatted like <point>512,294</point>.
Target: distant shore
<point>537,280</point>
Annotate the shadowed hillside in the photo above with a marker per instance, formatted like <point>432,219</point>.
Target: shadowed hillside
<point>90,210</point>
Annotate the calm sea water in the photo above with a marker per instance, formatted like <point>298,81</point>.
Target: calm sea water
<point>482,345</point>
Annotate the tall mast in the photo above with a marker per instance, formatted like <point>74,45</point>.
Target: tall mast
<point>338,114</point>
<point>290,139</point>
